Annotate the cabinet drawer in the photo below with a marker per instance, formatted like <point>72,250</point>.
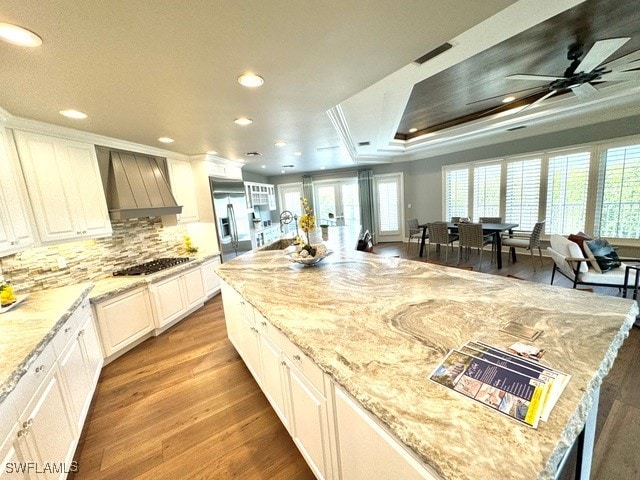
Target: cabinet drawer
<point>246,310</point>
<point>68,330</point>
<point>32,378</point>
<point>311,371</point>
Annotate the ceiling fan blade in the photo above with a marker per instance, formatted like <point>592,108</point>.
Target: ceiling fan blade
<point>585,90</point>
<point>621,76</point>
<point>622,63</point>
<point>600,51</point>
<point>540,100</point>
<point>537,78</point>
<point>504,95</point>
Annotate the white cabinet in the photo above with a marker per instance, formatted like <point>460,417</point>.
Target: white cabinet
<point>260,194</point>
<point>65,187</point>
<point>183,189</point>
<point>47,431</point>
<point>210,277</point>
<point>176,296</point>
<point>123,320</point>
<point>380,456</point>
<point>291,382</point>
<point>12,462</point>
<point>15,230</point>
<point>80,367</point>
<point>223,171</point>
<point>272,197</point>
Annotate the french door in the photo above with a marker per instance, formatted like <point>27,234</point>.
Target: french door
<point>389,198</point>
<point>290,195</point>
<point>337,202</point>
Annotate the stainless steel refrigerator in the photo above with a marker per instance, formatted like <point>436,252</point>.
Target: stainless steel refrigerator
<point>232,218</point>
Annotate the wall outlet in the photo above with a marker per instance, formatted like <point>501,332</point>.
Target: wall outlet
<point>62,263</point>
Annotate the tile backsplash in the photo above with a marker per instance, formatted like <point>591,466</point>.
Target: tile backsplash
<point>133,241</point>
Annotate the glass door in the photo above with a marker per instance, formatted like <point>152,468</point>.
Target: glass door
<point>337,202</point>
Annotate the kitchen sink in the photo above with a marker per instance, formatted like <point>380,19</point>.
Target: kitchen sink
<point>280,244</point>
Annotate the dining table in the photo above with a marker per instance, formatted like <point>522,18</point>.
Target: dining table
<point>494,229</point>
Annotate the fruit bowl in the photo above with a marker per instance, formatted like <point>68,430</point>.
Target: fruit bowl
<point>299,256</point>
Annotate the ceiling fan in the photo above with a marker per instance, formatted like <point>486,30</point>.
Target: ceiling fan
<point>581,74</point>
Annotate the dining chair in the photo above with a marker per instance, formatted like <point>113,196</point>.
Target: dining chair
<point>528,241</point>
<point>491,220</point>
<point>472,236</point>
<point>439,235</point>
<point>413,226</point>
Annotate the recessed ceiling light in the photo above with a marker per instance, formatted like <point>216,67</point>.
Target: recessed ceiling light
<point>19,36</point>
<point>322,167</point>
<point>73,114</point>
<point>250,80</point>
<point>280,144</point>
<point>508,99</point>
<point>413,130</point>
<point>211,152</point>
<point>297,154</point>
<point>263,166</point>
<point>281,171</point>
<point>243,121</point>
<point>166,140</point>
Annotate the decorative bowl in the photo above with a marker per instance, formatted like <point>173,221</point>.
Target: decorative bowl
<point>295,257</point>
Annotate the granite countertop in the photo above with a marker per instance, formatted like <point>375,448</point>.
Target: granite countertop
<point>108,287</point>
<point>27,329</point>
<point>380,326</point>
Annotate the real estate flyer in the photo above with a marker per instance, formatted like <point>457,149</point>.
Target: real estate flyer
<point>514,394</point>
<point>558,384</point>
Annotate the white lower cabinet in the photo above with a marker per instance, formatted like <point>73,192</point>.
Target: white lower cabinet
<point>337,437</point>
<point>366,450</point>
<point>174,297</point>
<point>124,319</point>
<point>210,277</point>
<point>12,462</point>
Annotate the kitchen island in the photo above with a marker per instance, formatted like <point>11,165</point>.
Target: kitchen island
<point>377,328</point>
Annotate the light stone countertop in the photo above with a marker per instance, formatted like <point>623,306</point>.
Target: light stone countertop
<point>28,328</point>
<point>380,326</point>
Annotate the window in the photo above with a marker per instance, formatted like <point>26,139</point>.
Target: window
<point>388,193</point>
<point>567,185</point>
<point>486,191</point>
<point>522,196</point>
<point>456,193</point>
<point>290,195</point>
<point>620,201</point>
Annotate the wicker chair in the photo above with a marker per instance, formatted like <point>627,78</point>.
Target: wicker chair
<point>526,241</point>
<point>471,236</point>
<point>439,235</point>
<point>414,231</point>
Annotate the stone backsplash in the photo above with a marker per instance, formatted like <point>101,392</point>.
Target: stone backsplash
<point>133,241</point>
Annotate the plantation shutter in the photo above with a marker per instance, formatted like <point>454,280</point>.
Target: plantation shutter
<point>620,207</point>
<point>456,192</point>
<point>567,185</point>
<point>522,197</point>
<point>486,191</point>
<point>388,205</point>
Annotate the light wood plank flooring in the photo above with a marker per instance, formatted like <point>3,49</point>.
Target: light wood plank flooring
<point>183,405</point>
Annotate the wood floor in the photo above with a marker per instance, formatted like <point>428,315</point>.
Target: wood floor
<point>184,406</point>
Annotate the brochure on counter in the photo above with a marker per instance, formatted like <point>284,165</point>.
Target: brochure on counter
<point>519,388</point>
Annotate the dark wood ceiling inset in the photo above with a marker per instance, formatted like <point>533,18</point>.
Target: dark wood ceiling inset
<point>470,89</point>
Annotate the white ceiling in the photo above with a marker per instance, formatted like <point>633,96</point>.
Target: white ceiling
<point>150,68</point>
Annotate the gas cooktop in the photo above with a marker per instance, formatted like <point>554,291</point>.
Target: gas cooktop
<point>151,267</point>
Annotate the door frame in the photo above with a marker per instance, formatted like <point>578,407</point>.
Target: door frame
<point>400,236</point>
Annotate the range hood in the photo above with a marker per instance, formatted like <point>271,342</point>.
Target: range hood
<point>137,187</point>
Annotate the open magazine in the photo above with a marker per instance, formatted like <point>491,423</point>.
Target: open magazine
<point>519,388</point>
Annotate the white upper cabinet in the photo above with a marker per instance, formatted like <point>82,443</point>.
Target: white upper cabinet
<point>183,189</point>
<point>15,231</point>
<point>65,187</point>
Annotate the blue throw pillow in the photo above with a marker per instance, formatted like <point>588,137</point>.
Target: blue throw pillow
<point>604,253</point>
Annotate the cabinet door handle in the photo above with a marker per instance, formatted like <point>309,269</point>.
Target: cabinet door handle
<point>27,425</point>
<point>39,369</point>
<point>297,357</point>
<point>283,363</point>
<point>14,242</point>
<point>81,333</point>
<point>23,433</point>
<point>78,232</point>
<point>84,232</point>
<point>67,330</point>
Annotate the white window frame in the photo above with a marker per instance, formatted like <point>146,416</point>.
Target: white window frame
<point>287,187</point>
<point>400,235</point>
